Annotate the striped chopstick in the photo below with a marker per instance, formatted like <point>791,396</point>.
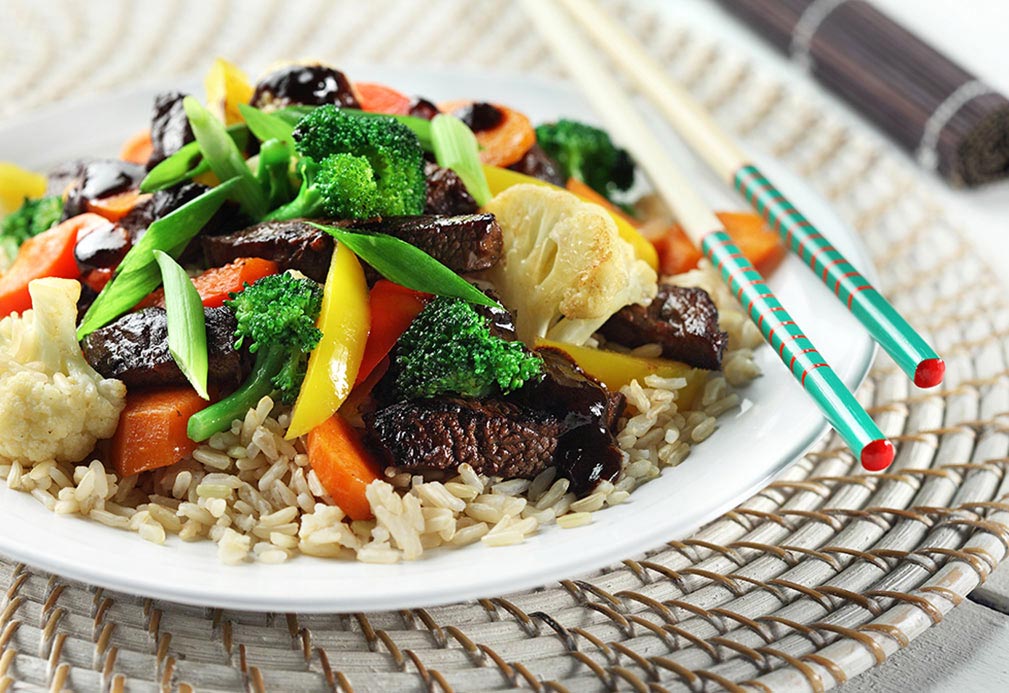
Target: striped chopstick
<point>794,348</point>
<point>908,349</point>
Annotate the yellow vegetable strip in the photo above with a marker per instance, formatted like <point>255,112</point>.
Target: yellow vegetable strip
<point>16,184</point>
<point>500,179</point>
<point>615,370</point>
<point>332,367</point>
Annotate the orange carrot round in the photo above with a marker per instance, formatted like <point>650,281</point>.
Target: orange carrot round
<point>758,243</point>
<point>137,149</point>
<point>378,98</point>
<point>50,254</point>
<point>393,308</point>
<point>505,143</point>
<point>342,463</point>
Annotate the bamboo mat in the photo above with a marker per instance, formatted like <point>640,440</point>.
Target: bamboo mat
<point>818,577</point>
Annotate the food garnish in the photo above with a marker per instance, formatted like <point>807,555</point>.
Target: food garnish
<point>187,330</point>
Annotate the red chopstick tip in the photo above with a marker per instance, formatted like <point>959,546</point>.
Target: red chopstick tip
<point>929,372</point>
<point>877,455</point>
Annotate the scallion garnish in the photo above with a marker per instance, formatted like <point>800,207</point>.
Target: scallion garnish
<point>267,126</point>
<point>187,162</point>
<point>408,265</point>
<point>187,327</point>
<point>138,274</point>
<point>224,157</point>
<point>455,147</point>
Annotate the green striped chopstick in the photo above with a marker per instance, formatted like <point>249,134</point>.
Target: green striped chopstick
<point>907,348</point>
<point>796,351</point>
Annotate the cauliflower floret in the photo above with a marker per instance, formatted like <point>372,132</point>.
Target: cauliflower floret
<point>565,269</point>
<point>53,404</point>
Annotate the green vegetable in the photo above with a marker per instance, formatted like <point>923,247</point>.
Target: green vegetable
<point>449,349</point>
<point>274,172</point>
<point>276,317</point>
<point>188,162</point>
<point>138,273</point>
<point>356,167</point>
<point>226,160</point>
<point>408,265</point>
<point>455,147</point>
<point>267,126</point>
<point>187,327</point>
<point>31,219</point>
<point>588,154</point>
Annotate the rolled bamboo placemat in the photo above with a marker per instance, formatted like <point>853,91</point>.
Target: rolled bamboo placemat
<point>823,574</point>
<point>946,117</point>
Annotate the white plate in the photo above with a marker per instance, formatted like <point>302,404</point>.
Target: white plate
<point>775,424</point>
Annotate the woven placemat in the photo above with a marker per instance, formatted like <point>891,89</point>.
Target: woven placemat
<point>818,577</point>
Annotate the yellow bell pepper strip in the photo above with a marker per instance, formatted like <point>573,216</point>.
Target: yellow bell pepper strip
<point>227,86</point>
<point>16,184</point>
<point>332,367</point>
<point>615,370</point>
<point>502,178</point>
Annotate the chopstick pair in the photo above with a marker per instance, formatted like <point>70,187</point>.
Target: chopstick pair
<point>806,364</point>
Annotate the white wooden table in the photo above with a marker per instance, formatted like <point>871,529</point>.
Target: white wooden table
<point>969,651</point>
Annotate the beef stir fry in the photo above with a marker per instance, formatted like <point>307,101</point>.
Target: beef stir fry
<point>401,291</point>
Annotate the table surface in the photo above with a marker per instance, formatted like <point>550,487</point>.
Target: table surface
<point>967,651</point>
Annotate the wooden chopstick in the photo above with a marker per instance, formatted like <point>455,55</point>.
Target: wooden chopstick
<point>909,350</point>
<point>808,367</point>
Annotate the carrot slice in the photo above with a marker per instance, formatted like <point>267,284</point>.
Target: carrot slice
<point>115,207</point>
<point>137,149</point>
<point>759,244</point>
<point>50,254</point>
<point>216,284</point>
<point>152,429</point>
<point>378,98</point>
<point>505,143</point>
<point>342,463</point>
<point>393,308</point>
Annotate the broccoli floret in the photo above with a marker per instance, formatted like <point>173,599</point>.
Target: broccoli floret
<point>34,217</point>
<point>276,316</point>
<point>356,167</point>
<point>588,154</point>
<point>449,349</point>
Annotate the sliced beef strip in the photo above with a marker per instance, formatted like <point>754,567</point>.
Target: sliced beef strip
<point>61,177</point>
<point>310,85</point>
<point>170,129</point>
<point>446,193</point>
<point>566,420</point>
<point>134,349</point>
<point>683,320</point>
<point>467,243</point>
<point>464,243</point>
<point>538,164</point>
<point>480,116</point>
<point>291,244</point>
<point>440,433</point>
<point>422,108</point>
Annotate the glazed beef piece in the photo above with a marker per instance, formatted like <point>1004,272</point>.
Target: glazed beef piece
<point>464,243</point>
<point>479,116</point>
<point>170,129</point>
<point>440,433</point>
<point>446,193</point>
<point>565,420</point>
<point>103,246</point>
<point>64,175</point>
<point>422,108</point>
<point>291,244</point>
<point>100,178</point>
<point>134,349</point>
<point>310,85</point>
<point>683,320</point>
<point>538,164</point>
